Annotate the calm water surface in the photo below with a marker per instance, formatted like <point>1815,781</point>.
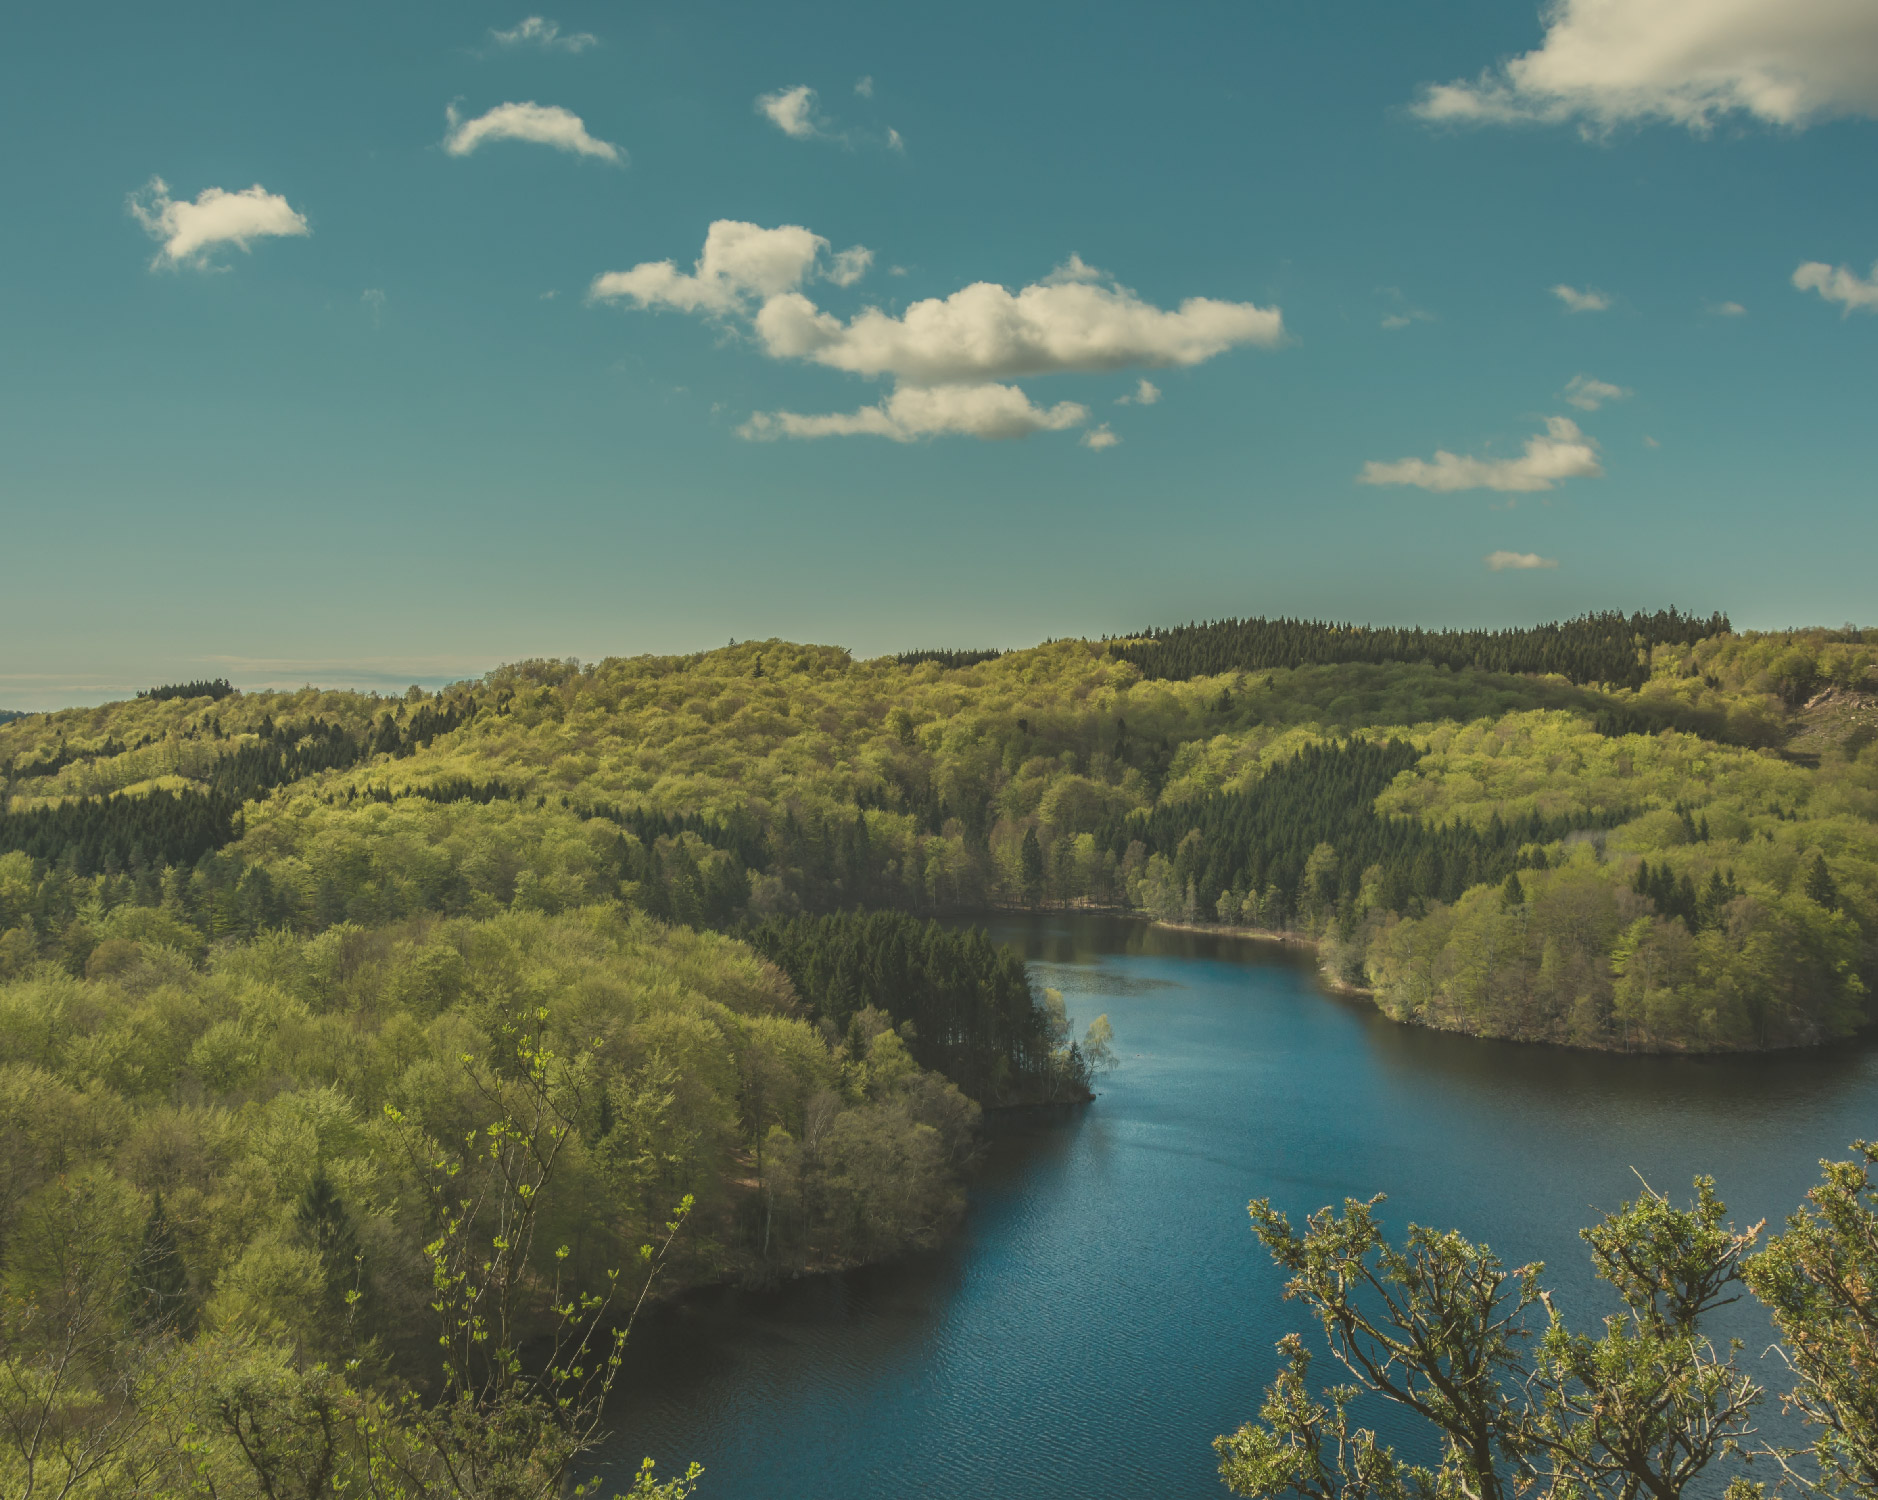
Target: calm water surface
<point>1106,1311</point>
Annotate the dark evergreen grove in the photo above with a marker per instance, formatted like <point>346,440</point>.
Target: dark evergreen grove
<point>1610,647</point>
<point>217,689</point>
<point>92,835</point>
<point>1263,839</point>
<point>967,1001</point>
<point>950,660</point>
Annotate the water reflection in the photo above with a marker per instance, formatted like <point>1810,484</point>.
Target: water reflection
<point>1105,1311</point>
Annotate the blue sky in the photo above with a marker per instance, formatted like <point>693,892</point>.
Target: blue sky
<point>397,437</point>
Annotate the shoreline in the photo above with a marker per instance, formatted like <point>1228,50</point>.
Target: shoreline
<point>1342,990</point>
<point>1284,939</point>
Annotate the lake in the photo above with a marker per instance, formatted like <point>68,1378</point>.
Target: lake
<point>1105,1311</point>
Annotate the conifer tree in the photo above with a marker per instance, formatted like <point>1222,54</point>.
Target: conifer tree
<point>1820,886</point>
<point>322,1219</point>
<point>163,1301</point>
<point>1032,861</point>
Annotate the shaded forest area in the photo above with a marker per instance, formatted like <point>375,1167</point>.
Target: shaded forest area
<point>1269,842</point>
<point>963,1003</point>
<point>1600,648</point>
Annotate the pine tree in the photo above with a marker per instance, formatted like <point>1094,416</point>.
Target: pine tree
<point>1512,893</point>
<point>323,1221</point>
<point>1820,886</point>
<point>1032,863</point>
<point>162,1300</point>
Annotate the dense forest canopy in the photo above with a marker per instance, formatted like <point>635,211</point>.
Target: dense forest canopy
<point>272,964</point>
<point>1661,838</point>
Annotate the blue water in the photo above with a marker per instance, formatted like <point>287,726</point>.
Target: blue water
<point>1105,1311</point>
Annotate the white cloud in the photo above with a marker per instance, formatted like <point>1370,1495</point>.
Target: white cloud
<point>850,265</point>
<point>1074,269</point>
<point>797,113</point>
<point>1587,394</point>
<point>741,263</point>
<point>1605,63</point>
<point>1145,394</point>
<point>536,31</point>
<point>1518,562</point>
<point>864,86</point>
<point>1099,437</point>
<point>911,412</point>
<point>1590,299</point>
<point>1076,320</point>
<point>1066,322</point>
<point>1839,284</point>
<point>374,298</point>
<point>542,124</point>
<point>190,232</point>
<point>984,332</point>
<point>792,111</point>
<point>1560,452</point>
<point>1728,310</point>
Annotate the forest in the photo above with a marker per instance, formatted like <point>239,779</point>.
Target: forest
<point>672,955</point>
<point>1641,831</point>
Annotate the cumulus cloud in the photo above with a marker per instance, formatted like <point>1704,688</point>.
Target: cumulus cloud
<point>1605,63</point>
<point>1145,394</point>
<point>1076,320</point>
<point>986,332</point>
<point>1560,452</point>
<point>1099,437</point>
<point>542,124</point>
<point>537,31</point>
<point>1728,310</point>
<point>189,233</point>
<point>911,412</point>
<point>1587,394</point>
<point>1589,299</point>
<point>864,86</point>
<point>1066,322</point>
<point>1075,269</point>
<point>742,263</point>
<point>1518,562</point>
<point>1839,284</point>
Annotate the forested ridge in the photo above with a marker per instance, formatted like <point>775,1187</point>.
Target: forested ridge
<point>1683,849</point>
<point>1605,648</point>
<point>274,966</point>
